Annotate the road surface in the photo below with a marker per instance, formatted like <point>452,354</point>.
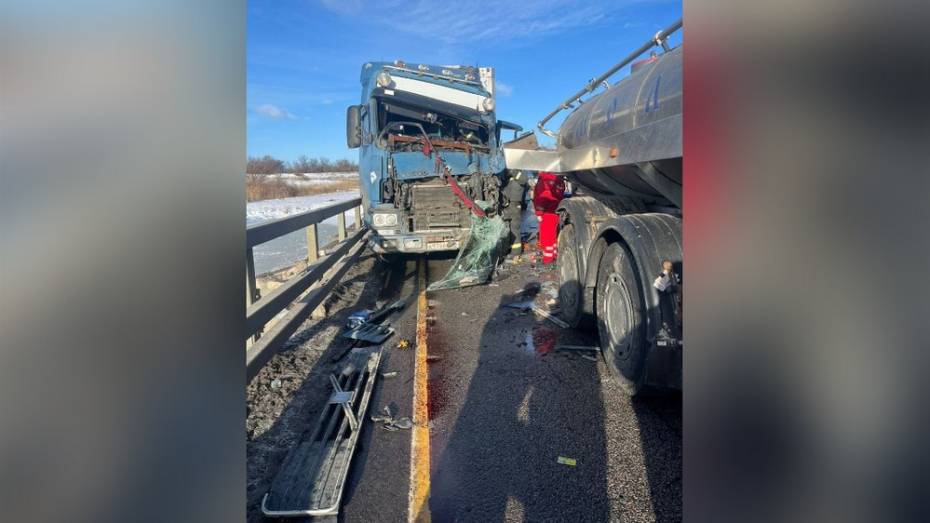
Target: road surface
<point>512,429</point>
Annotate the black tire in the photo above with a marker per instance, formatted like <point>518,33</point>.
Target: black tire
<point>620,318</point>
<point>570,285</point>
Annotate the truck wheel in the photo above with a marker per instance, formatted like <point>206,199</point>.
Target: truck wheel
<point>620,318</point>
<point>569,276</point>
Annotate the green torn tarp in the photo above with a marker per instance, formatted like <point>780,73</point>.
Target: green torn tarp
<point>478,257</point>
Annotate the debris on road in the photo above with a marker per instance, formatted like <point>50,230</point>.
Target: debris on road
<point>389,422</point>
<point>313,475</point>
<point>521,305</point>
<point>389,374</point>
<point>393,306</point>
<point>549,316</point>
<point>532,306</point>
<point>369,332</point>
<point>276,383</point>
<point>593,348</point>
<point>403,344</point>
<point>567,461</point>
<point>358,318</point>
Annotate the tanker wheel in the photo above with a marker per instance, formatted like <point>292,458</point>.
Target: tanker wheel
<point>570,298</point>
<point>620,318</point>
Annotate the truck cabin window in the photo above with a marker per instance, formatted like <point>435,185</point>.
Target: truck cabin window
<point>398,128</point>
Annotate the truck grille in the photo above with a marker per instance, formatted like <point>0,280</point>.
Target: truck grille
<point>436,207</point>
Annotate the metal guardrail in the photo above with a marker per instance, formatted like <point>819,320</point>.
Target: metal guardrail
<point>321,275</point>
<point>659,39</point>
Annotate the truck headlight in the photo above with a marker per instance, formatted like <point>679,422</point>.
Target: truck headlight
<point>384,220</point>
<point>488,104</point>
<point>384,79</point>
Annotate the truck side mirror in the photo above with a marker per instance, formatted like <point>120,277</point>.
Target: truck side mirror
<point>353,126</point>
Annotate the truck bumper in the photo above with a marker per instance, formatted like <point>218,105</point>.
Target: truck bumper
<point>417,243</point>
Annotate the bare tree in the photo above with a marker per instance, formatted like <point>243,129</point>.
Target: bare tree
<point>264,165</point>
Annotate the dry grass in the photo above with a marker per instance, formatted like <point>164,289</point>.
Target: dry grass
<point>270,187</point>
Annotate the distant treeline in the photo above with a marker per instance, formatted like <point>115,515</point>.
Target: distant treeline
<point>270,165</point>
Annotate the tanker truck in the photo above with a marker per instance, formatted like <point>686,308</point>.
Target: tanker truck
<point>622,150</point>
<point>410,115</point>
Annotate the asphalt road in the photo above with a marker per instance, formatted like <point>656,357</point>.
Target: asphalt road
<point>503,407</point>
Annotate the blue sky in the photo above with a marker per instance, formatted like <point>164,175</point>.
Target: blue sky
<point>304,56</point>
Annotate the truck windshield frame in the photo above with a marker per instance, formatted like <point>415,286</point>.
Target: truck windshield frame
<point>446,129</point>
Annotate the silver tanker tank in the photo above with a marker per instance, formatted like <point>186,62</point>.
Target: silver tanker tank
<point>619,237</point>
<point>623,142</point>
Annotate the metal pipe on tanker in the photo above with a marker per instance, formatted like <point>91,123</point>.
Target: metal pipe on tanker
<point>656,40</point>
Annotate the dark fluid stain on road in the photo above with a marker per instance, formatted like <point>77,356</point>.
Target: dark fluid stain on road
<point>436,398</point>
<point>544,339</point>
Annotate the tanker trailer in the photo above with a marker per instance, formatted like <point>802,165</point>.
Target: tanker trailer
<point>621,148</point>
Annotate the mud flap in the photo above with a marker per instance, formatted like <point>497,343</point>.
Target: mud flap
<point>477,257</point>
<point>312,477</point>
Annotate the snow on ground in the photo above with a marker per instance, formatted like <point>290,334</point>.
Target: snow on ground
<point>260,211</point>
<point>304,179</point>
<point>290,248</point>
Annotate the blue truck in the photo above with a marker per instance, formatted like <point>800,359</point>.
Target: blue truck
<point>410,116</point>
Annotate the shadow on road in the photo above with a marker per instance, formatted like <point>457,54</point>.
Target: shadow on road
<point>525,407</point>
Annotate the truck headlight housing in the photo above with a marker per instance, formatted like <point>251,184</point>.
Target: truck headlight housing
<point>384,79</point>
<point>380,219</point>
<point>488,104</point>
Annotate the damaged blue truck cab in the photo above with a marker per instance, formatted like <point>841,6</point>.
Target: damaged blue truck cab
<point>408,115</point>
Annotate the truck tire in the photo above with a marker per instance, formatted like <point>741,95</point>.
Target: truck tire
<point>570,284</point>
<point>620,318</point>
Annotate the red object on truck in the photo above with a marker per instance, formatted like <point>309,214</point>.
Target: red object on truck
<point>548,192</point>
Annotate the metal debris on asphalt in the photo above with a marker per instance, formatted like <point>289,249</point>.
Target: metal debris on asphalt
<point>549,316</point>
<point>389,422</point>
<point>593,348</point>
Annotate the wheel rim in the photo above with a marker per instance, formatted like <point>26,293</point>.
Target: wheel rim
<point>619,316</point>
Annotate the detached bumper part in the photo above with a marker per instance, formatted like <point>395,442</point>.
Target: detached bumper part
<point>312,478</point>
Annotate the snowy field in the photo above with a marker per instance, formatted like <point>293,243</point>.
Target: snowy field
<point>291,248</point>
<point>307,179</point>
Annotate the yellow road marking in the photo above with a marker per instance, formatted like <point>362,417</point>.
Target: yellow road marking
<point>419,455</point>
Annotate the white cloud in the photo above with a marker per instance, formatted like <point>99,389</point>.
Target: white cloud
<point>478,20</point>
<point>274,112</point>
<point>503,89</point>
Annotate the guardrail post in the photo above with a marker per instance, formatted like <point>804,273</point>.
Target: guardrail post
<point>252,294</point>
<point>341,220</point>
<point>358,217</point>
<point>313,248</point>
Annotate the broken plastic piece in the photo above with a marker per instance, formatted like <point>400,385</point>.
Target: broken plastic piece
<point>403,344</point>
<point>389,374</point>
<point>567,461</point>
<point>369,332</point>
